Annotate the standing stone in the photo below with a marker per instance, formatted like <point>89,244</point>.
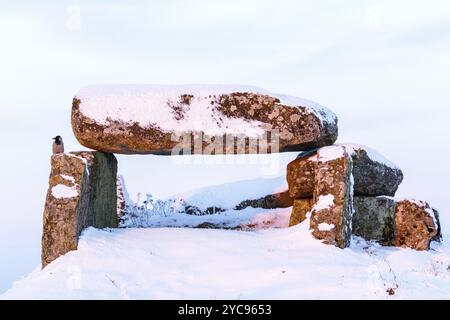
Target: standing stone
<point>66,195</point>
<point>333,197</point>
<point>82,193</point>
<point>145,119</point>
<point>417,224</point>
<point>374,219</point>
<point>299,210</point>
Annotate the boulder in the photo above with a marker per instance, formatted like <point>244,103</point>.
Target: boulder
<point>416,224</point>
<point>145,119</point>
<point>374,219</point>
<point>299,210</point>
<point>333,197</point>
<point>82,193</point>
<point>373,174</point>
<point>271,201</point>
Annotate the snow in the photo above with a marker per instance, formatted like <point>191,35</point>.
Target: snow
<point>330,153</point>
<point>62,191</point>
<point>324,202</point>
<point>148,106</point>
<point>323,113</point>
<point>245,219</point>
<point>228,195</point>
<point>68,178</point>
<point>288,263</point>
<point>326,227</point>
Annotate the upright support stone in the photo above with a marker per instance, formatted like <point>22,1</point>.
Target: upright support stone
<point>333,197</point>
<point>82,193</point>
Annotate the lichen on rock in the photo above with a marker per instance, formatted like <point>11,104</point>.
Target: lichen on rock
<point>416,224</point>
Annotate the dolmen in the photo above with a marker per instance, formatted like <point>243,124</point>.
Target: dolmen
<point>341,190</point>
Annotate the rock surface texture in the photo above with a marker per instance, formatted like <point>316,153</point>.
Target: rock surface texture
<point>374,219</point>
<point>299,210</point>
<point>82,193</point>
<point>145,119</point>
<point>271,201</point>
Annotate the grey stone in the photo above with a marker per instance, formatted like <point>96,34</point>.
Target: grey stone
<point>374,219</point>
<point>373,178</point>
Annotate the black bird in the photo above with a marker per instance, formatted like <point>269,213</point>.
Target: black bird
<point>58,145</point>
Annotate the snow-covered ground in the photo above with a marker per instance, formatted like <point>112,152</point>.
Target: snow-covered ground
<point>265,259</point>
<point>287,263</point>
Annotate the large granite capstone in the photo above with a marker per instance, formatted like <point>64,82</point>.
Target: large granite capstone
<point>147,119</point>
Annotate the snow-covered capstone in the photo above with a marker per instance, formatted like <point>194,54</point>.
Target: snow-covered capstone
<point>81,193</point>
<point>163,119</point>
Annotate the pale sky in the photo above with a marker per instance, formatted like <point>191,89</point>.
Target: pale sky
<point>381,66</point>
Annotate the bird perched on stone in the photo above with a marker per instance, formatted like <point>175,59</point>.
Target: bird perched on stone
<point>58,145</point>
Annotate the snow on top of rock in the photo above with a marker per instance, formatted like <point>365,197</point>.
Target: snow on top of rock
<point>330,153</point>
<point>374,155</point>
<point>326,227</point>
<point>148,106</point>
<point>324,202</point>
<point>323,113</point>
<point>62,191</point>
